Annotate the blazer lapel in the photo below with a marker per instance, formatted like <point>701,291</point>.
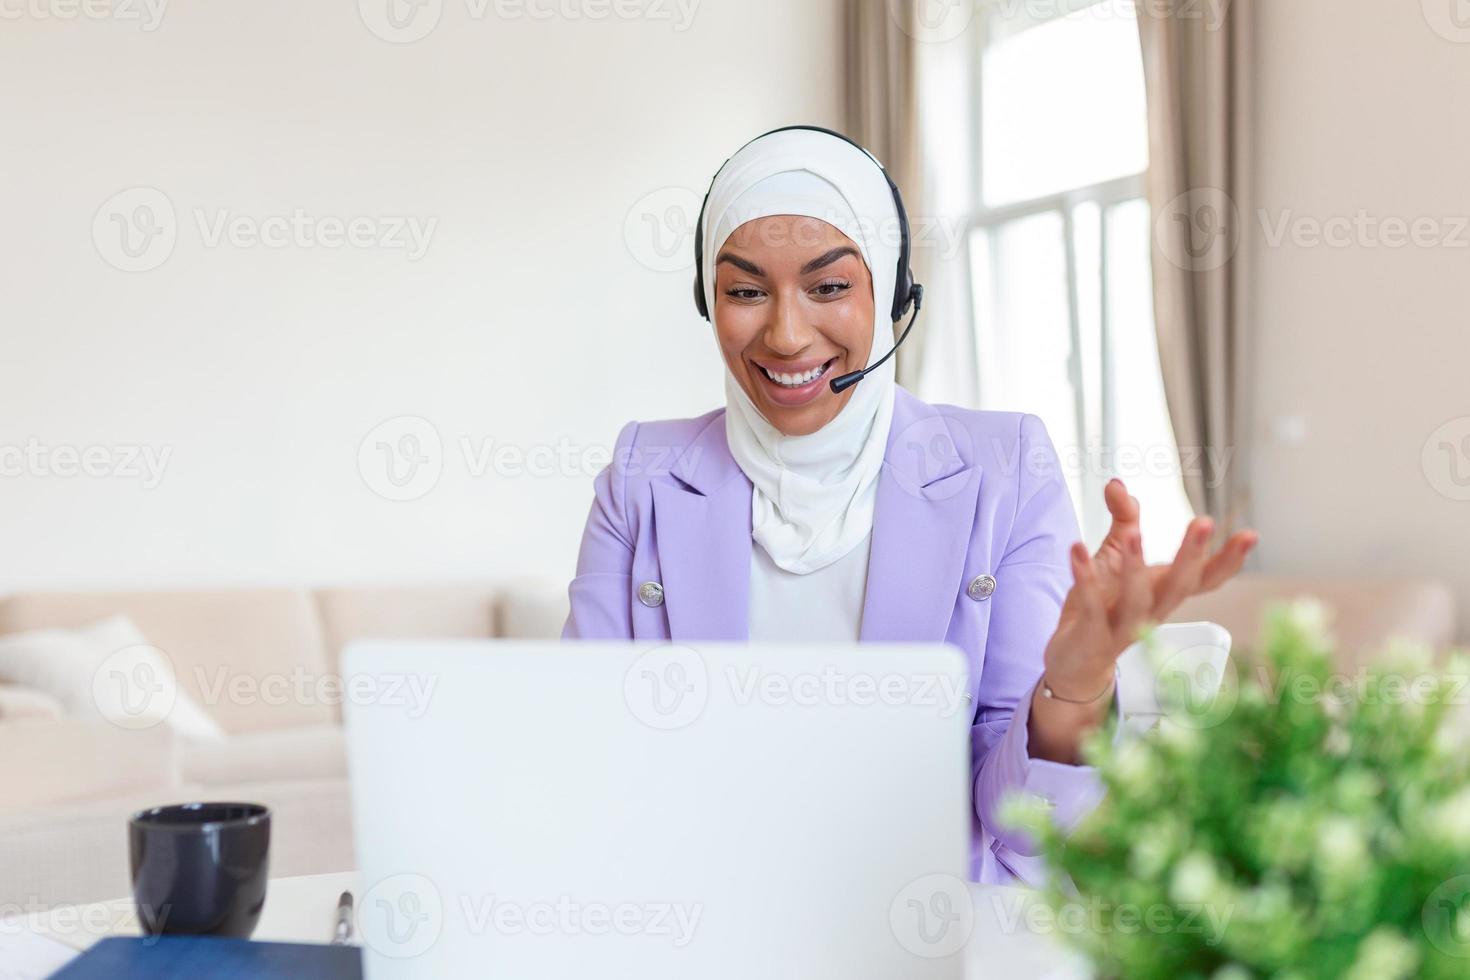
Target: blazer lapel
<point>924,514</point>
<point>701,520</point>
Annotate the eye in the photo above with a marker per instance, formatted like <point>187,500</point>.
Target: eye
<point>831,288</point>
<point>744,293</point>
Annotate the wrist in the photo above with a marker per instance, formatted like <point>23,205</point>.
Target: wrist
<point>1085,693</point>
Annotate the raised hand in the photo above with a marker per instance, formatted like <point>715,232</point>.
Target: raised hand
<point>1114,596</point>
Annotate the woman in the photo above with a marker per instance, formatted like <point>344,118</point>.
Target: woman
<point>801,513</point>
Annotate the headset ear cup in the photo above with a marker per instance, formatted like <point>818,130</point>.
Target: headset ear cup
<point>903,296</point>
<point>699,297</point>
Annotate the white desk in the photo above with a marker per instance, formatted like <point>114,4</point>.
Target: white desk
<point>303,910</point>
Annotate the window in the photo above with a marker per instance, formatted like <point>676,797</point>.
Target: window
<point>1059,253</point>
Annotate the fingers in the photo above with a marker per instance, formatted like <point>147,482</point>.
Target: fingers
<point>1124,511</point>
<point>1121,505</point>
<point>1219,569</point>
<point>1180,580</point>
<point>1136,595</point>
<point>1087,590</point>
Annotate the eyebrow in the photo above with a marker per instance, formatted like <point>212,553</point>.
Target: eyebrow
<point>820,262</point>
<point>740,263</point>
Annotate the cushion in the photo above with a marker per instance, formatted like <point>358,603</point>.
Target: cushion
<point>106,671</point>
<point>236,651</point>
<point>18,702</point>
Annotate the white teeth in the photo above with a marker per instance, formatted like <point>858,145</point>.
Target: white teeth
<point>796,380</point>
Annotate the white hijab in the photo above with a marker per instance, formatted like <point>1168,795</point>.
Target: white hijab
<point>814,495</point>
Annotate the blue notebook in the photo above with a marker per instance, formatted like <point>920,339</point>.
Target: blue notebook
<point>191,957</point>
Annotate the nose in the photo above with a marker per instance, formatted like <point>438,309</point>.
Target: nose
<point>787,333</point>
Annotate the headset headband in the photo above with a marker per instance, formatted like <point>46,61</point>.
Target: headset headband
<point>903,284</point>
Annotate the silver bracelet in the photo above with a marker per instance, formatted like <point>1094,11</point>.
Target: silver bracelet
<point>1047,692</point>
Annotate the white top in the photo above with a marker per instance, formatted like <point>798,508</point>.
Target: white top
<point>825,605</point>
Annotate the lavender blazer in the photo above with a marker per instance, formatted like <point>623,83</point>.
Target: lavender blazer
<point>962,494</point>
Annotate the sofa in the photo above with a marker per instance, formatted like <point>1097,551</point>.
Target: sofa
<point>70,783</point>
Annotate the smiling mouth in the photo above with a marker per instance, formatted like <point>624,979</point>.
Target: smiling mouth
<point>798,381</point>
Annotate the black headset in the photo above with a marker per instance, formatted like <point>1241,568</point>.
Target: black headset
<point>906,293</point>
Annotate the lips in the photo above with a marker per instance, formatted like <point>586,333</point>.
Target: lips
<point>794,383</point>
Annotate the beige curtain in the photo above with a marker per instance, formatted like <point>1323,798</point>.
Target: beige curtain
<point>894,84</point>
<point>1196,67</point>
<point>882,112</point>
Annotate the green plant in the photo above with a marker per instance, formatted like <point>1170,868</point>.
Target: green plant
<point>1302,825</point>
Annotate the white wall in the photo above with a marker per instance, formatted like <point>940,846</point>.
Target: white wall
<point>1363,352</point>
<point>528,322</point>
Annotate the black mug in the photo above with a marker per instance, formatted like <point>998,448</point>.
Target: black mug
<point>200,868</point>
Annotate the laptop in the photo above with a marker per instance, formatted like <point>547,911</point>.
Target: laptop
<point>534,809</point>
